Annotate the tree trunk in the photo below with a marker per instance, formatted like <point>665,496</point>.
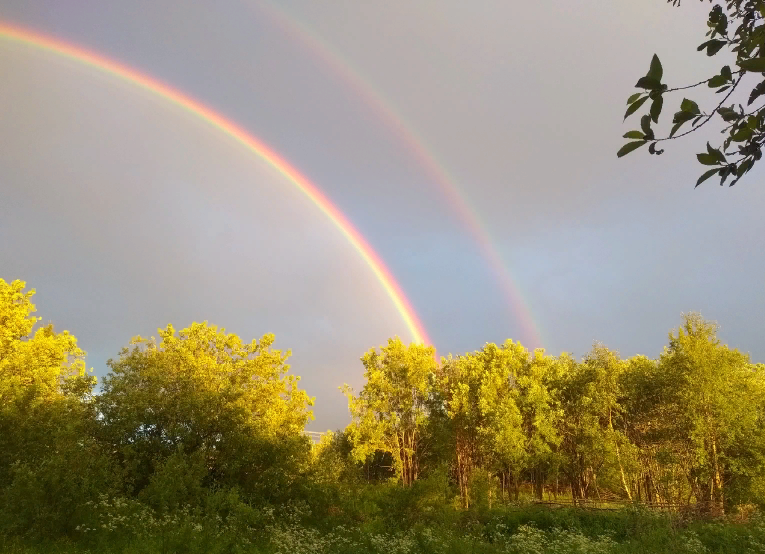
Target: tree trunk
<point>463,475</point>
<point>516,487</point>
<point>718,484</point>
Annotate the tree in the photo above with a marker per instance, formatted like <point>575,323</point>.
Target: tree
<point>480,399</point>
<point>539,403</point>
<point>49,465</point>
<point>39,366</point>
<point>720,400</point>
<point>203,392</point>
<point>390,413</point>
<point>735,26</point>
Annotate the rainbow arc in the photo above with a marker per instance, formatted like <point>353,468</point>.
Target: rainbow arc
<point>242,137</point>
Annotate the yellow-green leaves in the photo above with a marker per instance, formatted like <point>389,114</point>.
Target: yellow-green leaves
<point>204,390</point>
<point>43,364</point>
<point>390,413</point>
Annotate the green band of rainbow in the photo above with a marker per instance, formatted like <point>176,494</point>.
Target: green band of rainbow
<point>403,306</point>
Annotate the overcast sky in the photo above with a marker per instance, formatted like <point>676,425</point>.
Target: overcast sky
<point>127,213</point>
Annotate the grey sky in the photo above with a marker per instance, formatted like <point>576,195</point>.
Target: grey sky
<point>126,213</point>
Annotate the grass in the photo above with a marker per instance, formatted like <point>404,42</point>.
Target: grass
<point>508,529</point>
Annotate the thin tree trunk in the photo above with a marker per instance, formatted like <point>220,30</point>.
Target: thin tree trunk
<point>718,497</point>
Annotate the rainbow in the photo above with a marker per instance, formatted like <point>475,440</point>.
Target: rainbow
<point>405,132</point>
<point>56,46</point>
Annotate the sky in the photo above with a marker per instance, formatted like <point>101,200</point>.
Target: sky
<point>127,213</point>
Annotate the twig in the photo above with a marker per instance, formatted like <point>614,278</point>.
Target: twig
<point>710,116</point>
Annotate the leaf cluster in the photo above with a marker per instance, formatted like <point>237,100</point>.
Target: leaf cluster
<point>737,27</point>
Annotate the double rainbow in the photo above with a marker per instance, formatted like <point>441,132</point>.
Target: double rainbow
<point>416,146</point>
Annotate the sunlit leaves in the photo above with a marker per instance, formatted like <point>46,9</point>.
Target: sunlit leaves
<point>389,414</point>
<point>44,364</point>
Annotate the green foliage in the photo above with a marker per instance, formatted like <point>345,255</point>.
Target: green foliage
<point>49,465</point>
<point>195,444</point>
<point>735,26</point>
<point>390,413</point>
<point>206,394</point>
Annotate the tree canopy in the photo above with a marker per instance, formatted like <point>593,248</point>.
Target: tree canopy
<point>201,426</point>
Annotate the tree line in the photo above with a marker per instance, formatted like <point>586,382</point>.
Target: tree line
<point>201,418</point>
<point>686,428</point>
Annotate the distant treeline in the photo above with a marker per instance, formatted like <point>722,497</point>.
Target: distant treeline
<point>200,420</point>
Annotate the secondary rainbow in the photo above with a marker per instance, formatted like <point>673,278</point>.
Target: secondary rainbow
<point>59,47</point>
<point>388,114</point>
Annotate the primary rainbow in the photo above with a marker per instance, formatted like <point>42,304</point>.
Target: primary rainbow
<point>406,133</point>
<point>125,73</point>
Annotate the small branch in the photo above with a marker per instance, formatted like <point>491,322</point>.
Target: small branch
<point>697,84</point>
<point>689,86</point>
<point>708,118</point>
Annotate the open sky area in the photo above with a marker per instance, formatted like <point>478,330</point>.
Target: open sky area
<point>472,145</point>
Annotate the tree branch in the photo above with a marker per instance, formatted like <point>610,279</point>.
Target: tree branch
<point>708,118</point>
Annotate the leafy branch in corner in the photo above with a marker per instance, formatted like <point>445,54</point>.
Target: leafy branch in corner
<point>735,25</point>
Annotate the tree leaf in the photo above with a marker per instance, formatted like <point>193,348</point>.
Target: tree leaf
<point>728,114</point>
<point>656,71</point>
<point>756,65</point>
<point>717,153</point>
<point>635,106</point>
<point>675,128</point>
<point>629,147</point>
<point>744,166</point>
<point>648,83</point>
<point>690,106</point>
<point>706,176</point>
<point>634,135</point>
<point>757,91</point>
<point>656,106</point>
<point>717,81</point>
<point>745,133</point>
<point>707,159</point>
<point>633,98</point>
<point>714,46</point>
<point>682,116</point>
<point>645,124</point>
<point>724,173</point>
